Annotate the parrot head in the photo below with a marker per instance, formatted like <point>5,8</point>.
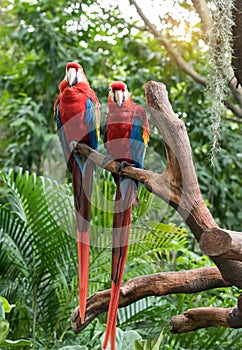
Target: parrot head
<point>118,93</point>
<point>75,74</point>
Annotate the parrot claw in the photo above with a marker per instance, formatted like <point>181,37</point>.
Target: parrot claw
<point>123,165</point>
<point>72,145</point>
<point>106,160</point>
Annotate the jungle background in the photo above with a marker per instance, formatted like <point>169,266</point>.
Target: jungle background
<point>38,257</point>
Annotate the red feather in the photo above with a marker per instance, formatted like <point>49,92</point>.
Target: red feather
<point>118,130</point>
<point>72,117</point>
<point>118,85</point>
<point>73,65</point>
<point>119,127</point>
<point>121,228</point>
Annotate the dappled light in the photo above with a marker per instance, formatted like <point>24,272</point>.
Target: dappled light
<point>180,63</point>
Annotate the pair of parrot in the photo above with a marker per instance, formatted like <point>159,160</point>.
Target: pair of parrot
<point>77,114</point>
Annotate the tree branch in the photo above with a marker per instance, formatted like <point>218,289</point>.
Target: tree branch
<point>235,109</point>
<point>224,243</point>
<point>205,16</point>
<point>170,49</point>
<point>178,184</point>
<point>204,13</point>
<point>183,188</point>
<point>158,284</point>
<point>205,317</point>
<point>143,176</point>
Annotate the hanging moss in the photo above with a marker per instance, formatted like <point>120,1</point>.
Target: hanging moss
<point>220,52</point>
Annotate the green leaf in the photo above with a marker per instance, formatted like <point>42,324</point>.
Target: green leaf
<point>158,343</point>
<point>14,343</point>
<point>149,344</point>
<point>128,339</point>
<point>2,311</point>
<point>125,340</point>
<point>7,307</point>
<point>74,347</point>
<point>4,329</point>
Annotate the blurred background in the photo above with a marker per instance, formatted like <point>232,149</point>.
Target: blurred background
<point>170,41</point>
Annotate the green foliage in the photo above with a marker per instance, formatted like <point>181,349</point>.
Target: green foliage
<point>148,344</point>
<point>38,258</point>
<point>5,307</point>
<point>125,340</point>
<point>41,38</point>
<point>27,128</point>
<point>34,252</point>
<point>74,347</point>
<point>38,255</point>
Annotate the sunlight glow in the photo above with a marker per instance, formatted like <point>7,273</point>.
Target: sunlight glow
<point>170,17</point>
<point>167,15</point>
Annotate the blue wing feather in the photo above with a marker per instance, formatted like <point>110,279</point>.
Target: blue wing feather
<point>137,146</point>
<point>137,152</point>
<point>91,121</point>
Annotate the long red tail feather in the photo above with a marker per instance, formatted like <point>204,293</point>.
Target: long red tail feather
<point>121,227</point>
<point>82,187</point>
<point>83,264</point>
<point>113,331</point>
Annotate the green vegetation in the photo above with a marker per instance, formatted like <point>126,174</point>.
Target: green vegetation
<point>38,258</point>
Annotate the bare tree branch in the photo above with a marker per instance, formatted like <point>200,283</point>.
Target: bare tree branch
<point>206,20</point>
<point>204,14</point>
<point>178,184</point>
<point>205,317</point>
<point>235,109</point>
<point>170,49</point>
<point>224,243</point>
<point>159,284</point>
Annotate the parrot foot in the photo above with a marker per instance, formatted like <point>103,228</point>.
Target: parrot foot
<point>72,145</point>
<point>123,165</point>
<point>106,160</point>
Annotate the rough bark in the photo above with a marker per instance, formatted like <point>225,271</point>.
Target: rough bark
<point>184,191</point>
<point>205,317</point>
<point>158,284</point>
<point>178,186</point>
<point>224,243</point>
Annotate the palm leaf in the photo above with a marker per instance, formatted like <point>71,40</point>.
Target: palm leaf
<point>38,241</point>
<point>34,241</point>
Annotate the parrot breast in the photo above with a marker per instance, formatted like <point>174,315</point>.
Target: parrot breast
<point>118,131</point>
<point>73,102</point>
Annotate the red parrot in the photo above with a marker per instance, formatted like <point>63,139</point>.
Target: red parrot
<point>77,116</point>
<point>126,138</point>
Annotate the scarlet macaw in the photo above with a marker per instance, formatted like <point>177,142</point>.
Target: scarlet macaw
<point>126,138</point>
<point>77,116</point>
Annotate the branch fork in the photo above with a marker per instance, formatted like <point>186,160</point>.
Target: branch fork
<point>178,186</point>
